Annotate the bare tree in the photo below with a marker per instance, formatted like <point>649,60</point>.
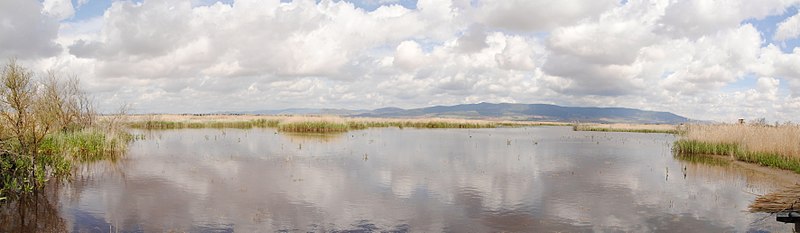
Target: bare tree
<point>17,94</point>
<point>31,110</point>
<point>68,102</point>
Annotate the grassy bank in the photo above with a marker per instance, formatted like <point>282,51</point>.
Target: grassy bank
<point>771,146</point>
<point>633,128</point>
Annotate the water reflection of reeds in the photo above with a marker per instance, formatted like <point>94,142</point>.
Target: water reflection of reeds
<point>314,137</point>
<point>723,169</point>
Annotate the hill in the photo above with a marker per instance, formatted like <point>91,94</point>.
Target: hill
<point>534,112</point>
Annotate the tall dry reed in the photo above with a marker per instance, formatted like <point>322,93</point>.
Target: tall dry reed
<point>782,140</point>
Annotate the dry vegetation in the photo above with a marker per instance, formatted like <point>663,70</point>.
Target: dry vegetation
<point>783,140</point>
<point>635,128</point>
<point>774,146</point>
<point>784,200</point>
<point>310,124</point>
<point>47,124</point>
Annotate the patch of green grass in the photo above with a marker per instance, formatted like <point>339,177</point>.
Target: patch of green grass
<point>55,157</point>
<point>698,148</point>
<point>771,160</point>
<point>313,127</point>
<point>706,148</point>
<point>578,127</point>
<point>86,145</point>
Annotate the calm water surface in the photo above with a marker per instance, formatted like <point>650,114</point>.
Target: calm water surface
<point>397,180</point>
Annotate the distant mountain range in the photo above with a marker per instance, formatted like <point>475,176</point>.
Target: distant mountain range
<point>532,112</point>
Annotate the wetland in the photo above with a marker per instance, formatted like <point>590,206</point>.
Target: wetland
<point>544,178</point>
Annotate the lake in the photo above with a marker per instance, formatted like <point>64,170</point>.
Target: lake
<point>540,179</point>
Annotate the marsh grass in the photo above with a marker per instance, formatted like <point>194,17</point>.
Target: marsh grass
<point>771,160</point>
<point>632,128</point>
<point>313,127</point>
<point>245,124</point>
<point>86,145</point>
<point>46,125</point>
<point>787,199</point>
<point>308,124</point>
<point>771,146</point>
<point>706,148</point>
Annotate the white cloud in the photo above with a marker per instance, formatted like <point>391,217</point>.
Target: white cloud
<point>715,61</point>
<point>60,9</point>
<point>600,57</point>
<point>788,29</point>
<point>194,56</point>
<point>785,66</point>
<point>534,15</point>
<point>409,56</point>
<point>25,32</point>
<point>695,18</point>
<point>262,37</point>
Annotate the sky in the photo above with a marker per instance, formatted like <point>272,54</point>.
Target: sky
<point>704,59</point>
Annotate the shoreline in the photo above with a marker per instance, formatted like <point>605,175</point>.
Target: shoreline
<point>313,123</point>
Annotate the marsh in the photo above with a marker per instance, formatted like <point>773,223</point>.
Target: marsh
<point>421,180</point>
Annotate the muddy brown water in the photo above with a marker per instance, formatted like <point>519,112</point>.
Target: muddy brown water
<point>540,179</point>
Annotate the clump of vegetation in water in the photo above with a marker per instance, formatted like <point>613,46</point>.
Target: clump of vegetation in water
<point>87,145</point>
<point>246,124</point>
<point>774,146</point>
<point>781,201</point>
<point>45,126</point>
<point>631,128</point>
<point>314,127</point>
<point>310,124</point>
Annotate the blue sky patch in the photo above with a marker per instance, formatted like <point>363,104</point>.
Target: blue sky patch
<point>768,25</point>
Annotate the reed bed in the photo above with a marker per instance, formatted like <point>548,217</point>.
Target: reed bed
<point>309,124</point>
<point>773,146</point>
<point>360,123</point>
<point>313,125</point>
<point>783,200</point>
<point>86,145</point>
<point>245,124</point>
<point>783,140</point>
<point>632,128</point>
